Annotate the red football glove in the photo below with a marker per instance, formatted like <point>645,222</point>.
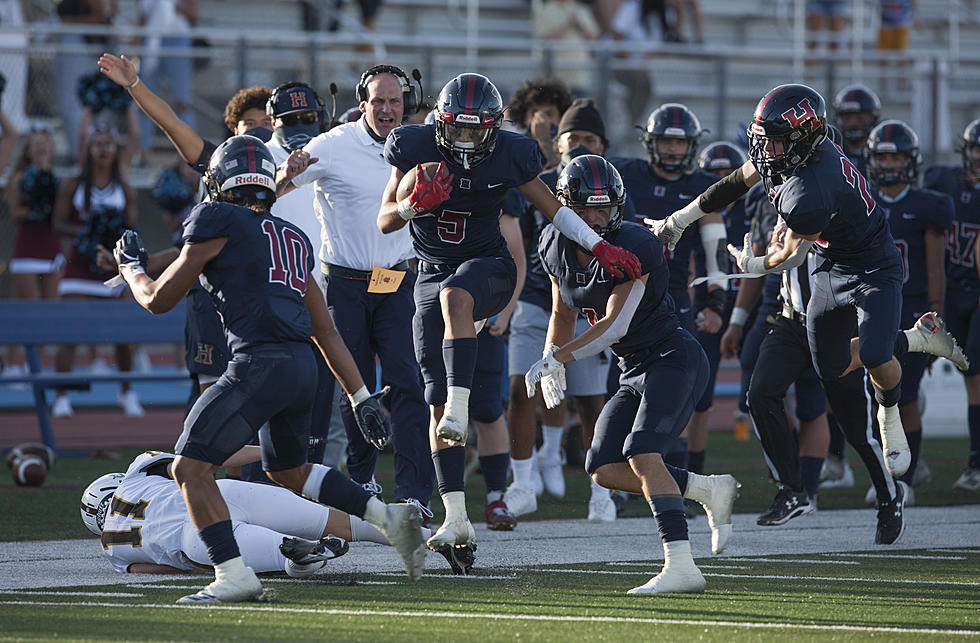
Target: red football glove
<point>612,258</point>
<point>428,193</point>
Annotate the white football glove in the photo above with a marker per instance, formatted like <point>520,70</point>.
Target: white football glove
<point>669,230</point>
<point>744,255</point>
<point>551,373</point>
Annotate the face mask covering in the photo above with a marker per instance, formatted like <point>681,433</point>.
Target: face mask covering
<point>295,137</point>
<point>264,134</point>
<point>578,150</point>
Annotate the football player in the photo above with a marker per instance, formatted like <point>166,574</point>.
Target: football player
<point>857,110</point>
<point>962,312</point>
<point>256,267</point>
<point>664,369</point>
<point>465,272</point>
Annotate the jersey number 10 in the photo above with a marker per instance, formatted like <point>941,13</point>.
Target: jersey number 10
<point>291,272</point>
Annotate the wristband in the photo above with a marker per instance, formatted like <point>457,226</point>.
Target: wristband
<point>717,299</point>
<point>739,316</point>
<point>405,209</point>
<point>572,226</point>
<point>133,84</point>
<point>358,396</point>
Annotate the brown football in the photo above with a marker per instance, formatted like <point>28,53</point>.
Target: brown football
<point>32,448</point>
<point>408,181</point>
<point>28,471</point>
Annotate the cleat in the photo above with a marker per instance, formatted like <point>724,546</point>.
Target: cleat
<point>304,552</point>
<point>457,532</point>
<point>373,488</point>
<point>403,529</point>
<point>717,495</point>
<point>895,447</point>
<point>499,517</point>
<point>238,587</point>
<point>519,500</point>
<point>602,508</point>
<point>929,335</point>
<point>922,474</point>
<point>787,505</point>
<point>673,581</point>
<point>452,431</point>
<point>425,514</point>
<point>460,558</point>
<point>130,404</point>
<point>836,472</point>
<point>890,521</point>
<point>969,480</point>
<point>690,509</point>
<point>62,407</point>
<point>552,476</point>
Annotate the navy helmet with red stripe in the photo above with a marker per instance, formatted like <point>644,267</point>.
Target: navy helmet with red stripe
<point>721,155</point>
<point>672,120</point>
<point>970,140</point>
<point>243,171</point>
<point>469,107</point>
<point>591,181</point>
<point>893,137</point>
<point>857,99</point>
<point>789,123</point>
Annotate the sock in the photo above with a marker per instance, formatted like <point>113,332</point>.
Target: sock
<point>695,461</point>
<point>494,468</point>
<point>890,397</point>
<point>915,446</point>
<point>220,541</point>
<point>681,477</point>
<point>459,356</point>
<point>363,531</point>
<point>458,403</point>
<point>678,455</point>
<point>973,419</point>
<point>455,504</point>
<point>810,473</point>
<point>901,344</point>
<point>449,464</point>
<point>836,447</point>
<point>332,488</point>
<point>229,567</point>
<point>523,470</point>
<point>677,553</point>
<point>551,446</point>
<point>668,511</point>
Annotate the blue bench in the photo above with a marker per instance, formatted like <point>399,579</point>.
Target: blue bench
<point>39,323</point>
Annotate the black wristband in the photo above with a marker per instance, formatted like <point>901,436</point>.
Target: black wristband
<point>724,192</point>
<point>717,299</point>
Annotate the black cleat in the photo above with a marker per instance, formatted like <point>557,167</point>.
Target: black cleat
<point>304,552</point>
<point>460,558</point>
<point>890,521</point>
<point>787,505</point>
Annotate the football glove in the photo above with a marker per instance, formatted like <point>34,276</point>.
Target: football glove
<point>372,421</point>
<point>547,366</point>
<point>744,255</point>
<point>129,251</point>
<point>669,230</point>
<point>429,193</point>
<point>611,258</point>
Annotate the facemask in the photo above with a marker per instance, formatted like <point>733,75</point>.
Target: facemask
<point>578,150</point>
<point>264,134</point>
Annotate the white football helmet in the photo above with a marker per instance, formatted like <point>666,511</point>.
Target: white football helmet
<point>96,499</point>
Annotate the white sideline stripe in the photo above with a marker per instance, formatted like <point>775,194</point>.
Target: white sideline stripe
<point>702,565</point>
<point>468,577</point>
<point>907,557</point>
<point>956,551</point>
<point>264,580</point>
<point>30,592</point>
<point>908,581</point>
<point>793,560</point>
<point>251,607</point>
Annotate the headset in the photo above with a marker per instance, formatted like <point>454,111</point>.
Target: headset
<point>320,109</point>
<point>412,95</point>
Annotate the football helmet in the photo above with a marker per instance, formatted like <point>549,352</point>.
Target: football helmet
<point>834,135</point>
<point>856,99</point>
<point>971,138</point>
<point>789,123</point>
<point>469,107</point>
<point>672,120</point>
<point>893,137</point>
<point>301,111</point>
<point>592,181</point>
<point>96,500</point>
<point>721,155</point>
<point>241,167</point>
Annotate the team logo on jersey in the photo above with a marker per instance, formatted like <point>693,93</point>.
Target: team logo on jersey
<point>204,354</point>
<point>659,191</point>
<point>579,278</point>
<point>965,197</point>
<point>298,99</point>
<point>464,184</point>
<point>794,118</point>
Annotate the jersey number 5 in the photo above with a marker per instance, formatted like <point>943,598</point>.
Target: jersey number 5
<point>292,271</point>
<point>452,226</point>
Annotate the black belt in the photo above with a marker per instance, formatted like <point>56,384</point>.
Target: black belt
<point>431,268</point>
<point>791,313</point>
<point>334,270</point>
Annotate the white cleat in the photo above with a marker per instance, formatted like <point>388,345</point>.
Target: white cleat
<point>929,335</point>
<point>403,529</point>
<point>451,430</point>
<point>602,508</point>
<point>836,472</point>
<point>230,588</point>
<point>451,534</point>
<point>718,507</point>
<point>519,500</point>
<point>130,403</point>
<point>553,476</point>
<point>673,581</point>
<point>893,443</point>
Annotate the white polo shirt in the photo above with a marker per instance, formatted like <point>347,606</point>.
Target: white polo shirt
<point>297,208</point>
<point>348,182</point>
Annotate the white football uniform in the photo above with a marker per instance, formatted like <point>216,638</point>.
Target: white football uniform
<point>148,521</point>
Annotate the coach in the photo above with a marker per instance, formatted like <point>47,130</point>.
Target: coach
<point>365,275</point>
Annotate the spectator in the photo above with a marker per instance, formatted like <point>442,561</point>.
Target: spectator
<point>573,23</point>
<point>94,208</point>
<point>897,17</point>
<point>825,15</point>
<point>536,108</point>
<point>631,24</point>
<point>107,106</point>
<point>684,9</point>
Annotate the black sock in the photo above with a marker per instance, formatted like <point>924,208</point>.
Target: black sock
<point>680,476</point>
<point>450,464</point>
<point>810,473</point>
<point>337,490</point>
<point>668,511</point>
<point>973,419</point>
<point>459,356</point>
<point>220,541</point>
<point>890,397</point>
<point>695,461</point>
<point>494,468</point>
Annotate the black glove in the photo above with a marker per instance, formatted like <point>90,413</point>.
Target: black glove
<point>372,421</point>
<point>129,251</point>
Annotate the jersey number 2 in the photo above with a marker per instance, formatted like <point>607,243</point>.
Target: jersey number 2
<point>292,271</point>
<point>856,179</point>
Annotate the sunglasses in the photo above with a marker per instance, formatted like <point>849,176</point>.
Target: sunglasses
<point>304,118</point>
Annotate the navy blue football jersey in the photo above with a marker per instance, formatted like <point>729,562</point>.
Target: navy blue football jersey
<point>259,278</point>
<point>859,161</point>
<point>586,289</point>
<point>658,198</point>
<point>830,197</point>
<point>961,269</point>
<point>466,225</point>
<point>763,215</point>
<point>915,212</point>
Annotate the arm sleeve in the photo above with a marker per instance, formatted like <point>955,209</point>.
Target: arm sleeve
<point>615,331</point>
<point>206,221</point>
<point>202,162</point>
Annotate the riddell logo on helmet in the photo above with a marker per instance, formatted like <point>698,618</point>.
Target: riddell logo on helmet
<point>251,179</point>
<point>596,199</point>
<point>806,112</point>
<point>468,118</point>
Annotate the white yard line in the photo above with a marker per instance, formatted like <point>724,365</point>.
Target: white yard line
<point>909,581</point>
<point>522,617</point>
<point>905,556</point>
<point>30,592</point>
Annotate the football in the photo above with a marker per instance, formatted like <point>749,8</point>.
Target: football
<point>31,448</point>
<point>29,471</point>
<point>408,181</point>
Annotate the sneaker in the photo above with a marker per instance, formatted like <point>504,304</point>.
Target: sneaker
<point>929,335</point>
<point>373,488</point>
<point>717,495</point>
<point>519,500</point>
<point>403,529</point>
<point>141,362</point>
<point>130,403</point>
<point>553,476</point>
<point>922,474</point>
<point>894,445</point>
<point>425,514</point>
<point>836,472</point>
<point>890,522</point>
<point>304,552</point>
<point>99,366</point>
<point>499,517</point>
<point>969,480</point>
<point>787,505</point>
<point>451,430</point>
<point>602,508</point>
<point>230,588</point>
<point>62,407</point>
<point>460,558</point>
<point>673,581</point>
